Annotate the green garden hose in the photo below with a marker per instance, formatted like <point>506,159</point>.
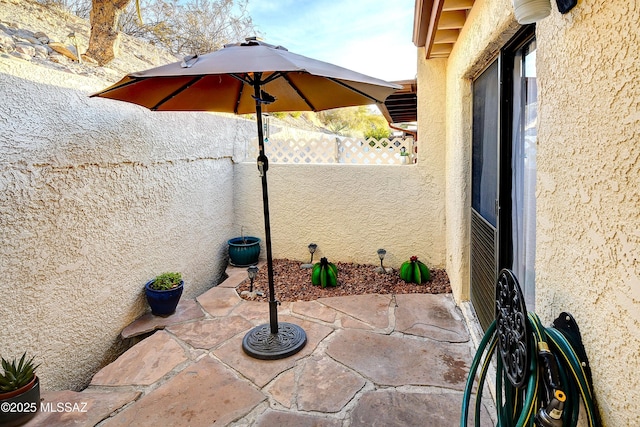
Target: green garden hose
<point>558,379</point>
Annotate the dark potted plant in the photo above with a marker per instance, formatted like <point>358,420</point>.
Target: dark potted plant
<point>164,292</point>
<point>19,391</point>
<point>244,251</point>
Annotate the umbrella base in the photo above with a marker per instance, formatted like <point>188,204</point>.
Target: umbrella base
<point>260,343</point>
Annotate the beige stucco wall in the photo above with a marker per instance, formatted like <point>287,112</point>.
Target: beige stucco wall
<point>97,197</point>
<point>348,210</point>
<point>588,177</point>
<point>588,204</point>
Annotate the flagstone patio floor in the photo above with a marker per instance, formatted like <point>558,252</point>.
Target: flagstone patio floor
<point>370,360</point>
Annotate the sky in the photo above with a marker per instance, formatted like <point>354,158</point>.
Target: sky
<point>372,37</point>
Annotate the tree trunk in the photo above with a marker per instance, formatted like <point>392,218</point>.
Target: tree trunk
<point>104,39</point>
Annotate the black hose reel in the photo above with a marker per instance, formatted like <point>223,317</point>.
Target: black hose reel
<point>541,373</point>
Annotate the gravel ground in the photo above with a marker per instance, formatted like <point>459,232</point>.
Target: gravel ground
<point>294,284</point>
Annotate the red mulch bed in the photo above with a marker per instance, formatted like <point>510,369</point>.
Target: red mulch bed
<point>294,284</point>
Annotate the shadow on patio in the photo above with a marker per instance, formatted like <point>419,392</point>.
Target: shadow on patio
<point>389,360</point>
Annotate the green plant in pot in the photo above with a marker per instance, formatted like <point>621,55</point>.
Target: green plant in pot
<point>324,274</point>
<point>19,389</point>
<point>404,156</point>
<point>163,293</point>
<point>244,251</point>
<point>414,271</point>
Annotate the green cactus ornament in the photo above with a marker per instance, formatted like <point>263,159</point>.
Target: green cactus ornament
<point>324,273</point>
<point>414,271</point>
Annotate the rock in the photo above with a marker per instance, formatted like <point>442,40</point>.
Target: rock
<point>6,29</point>
<point>63,50</point>
<point>41,51</point>
<point>21,55</point>
<point>26,49</point>
<point>6,42</point>
<point>42,37</point>
<point>24,33</point>
<point>25,38</point>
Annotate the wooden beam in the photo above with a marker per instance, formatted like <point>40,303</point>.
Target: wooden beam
<point>446,36</point>
<point>421,15</point>
<point>441,50</point>
<point>452,20</point>
<point>457,5</point>
<point>436,10</point>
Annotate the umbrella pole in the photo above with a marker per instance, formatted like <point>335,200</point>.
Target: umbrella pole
<point>274,340</point>
<point>263,166</point>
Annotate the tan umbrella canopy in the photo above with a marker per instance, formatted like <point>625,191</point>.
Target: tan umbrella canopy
<point>224,81</point>
<point>241,78</point>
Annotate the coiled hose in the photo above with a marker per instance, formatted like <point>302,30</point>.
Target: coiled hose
<point>558,379</point>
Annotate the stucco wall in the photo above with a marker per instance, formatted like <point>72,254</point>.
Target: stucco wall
<point>588,195</point>
<point>348,210</point>
<point>588,213</point>
<point>97,198</point>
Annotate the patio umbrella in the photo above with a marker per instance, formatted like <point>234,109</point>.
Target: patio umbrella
<point>241,78</point>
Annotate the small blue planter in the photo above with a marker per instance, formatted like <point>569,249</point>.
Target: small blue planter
<point>244,252</point>
<point>163,303</point>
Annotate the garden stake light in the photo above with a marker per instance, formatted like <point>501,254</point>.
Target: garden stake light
<point>312,248</point>
<point>381,255</point>
<point>252,272</point>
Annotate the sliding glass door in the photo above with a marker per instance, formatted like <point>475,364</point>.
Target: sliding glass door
<point>504,173</point>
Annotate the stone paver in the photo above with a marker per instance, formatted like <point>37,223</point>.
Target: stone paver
<point>315,310</point>
<point>372,310</point>
<point>370,360</point>
<point>144,363</point>
<point>326,386</point>
<point>255,312</point>
<point>219,301</point>
<point>392,408</point>
<point>395,361</point>
<point>186,311</point>
<point>431,316</point>
<point>288,419</point>
<point>87,408</point>
<point>283,388</point>
<point>204,394</point>
<point>210,333</point>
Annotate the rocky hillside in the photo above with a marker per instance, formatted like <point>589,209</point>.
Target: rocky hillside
<point>40,34</point>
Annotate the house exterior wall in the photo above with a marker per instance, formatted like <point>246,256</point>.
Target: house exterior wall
<point>588,202</point>
<point>98,197</point>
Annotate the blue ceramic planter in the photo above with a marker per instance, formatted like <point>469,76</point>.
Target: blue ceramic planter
<point>163,303</point>
<point>244,252</point>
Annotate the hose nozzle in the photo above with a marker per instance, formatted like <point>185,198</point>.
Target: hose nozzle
<point>551,416</point>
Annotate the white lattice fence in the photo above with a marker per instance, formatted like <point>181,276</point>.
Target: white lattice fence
<point>338,149</point>
<point>375,152</point>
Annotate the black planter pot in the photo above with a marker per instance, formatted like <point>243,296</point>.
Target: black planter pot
<point>163,303</point>
<point>27,402</point>
<point>244,251</point>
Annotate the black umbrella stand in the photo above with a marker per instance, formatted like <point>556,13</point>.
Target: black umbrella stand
<point>273,340</point>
